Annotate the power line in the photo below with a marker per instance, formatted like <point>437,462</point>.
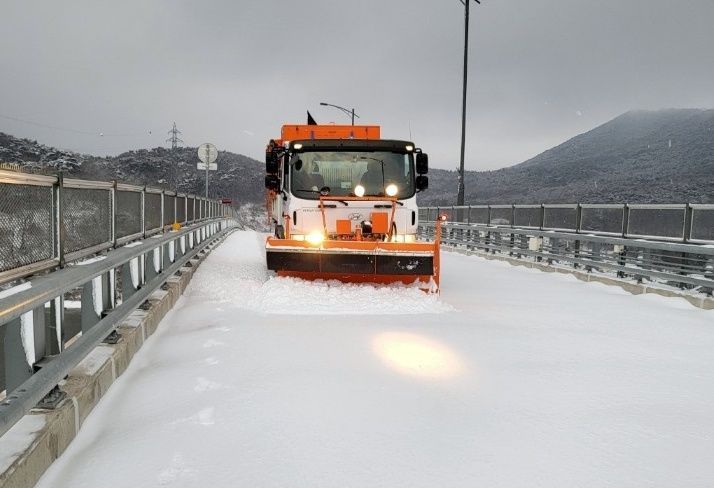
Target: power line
<point>72,130</point>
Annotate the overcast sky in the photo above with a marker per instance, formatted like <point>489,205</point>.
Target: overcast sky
<point>232,72</point>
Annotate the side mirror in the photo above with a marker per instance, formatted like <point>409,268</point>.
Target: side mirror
<point>272,165</point>
<point>422,163</point>
<point>272,183</point>
<point>422,182</point>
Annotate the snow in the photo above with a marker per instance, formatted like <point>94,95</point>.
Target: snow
<point>15,289</point>
<point>134,272</point>
<point>94,361</point>
<point>19,438</point>
<point>156,260</point>
<point>58,319</point>
<point>97,295</point>
<point>134,244</point>
<point>95,259</point>
<point>27,336</point>
<point>512,378</point>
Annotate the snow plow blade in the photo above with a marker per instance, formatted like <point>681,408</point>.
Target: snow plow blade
<point>357,261</point>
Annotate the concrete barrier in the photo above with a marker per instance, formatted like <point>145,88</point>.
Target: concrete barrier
<point>30,446</point>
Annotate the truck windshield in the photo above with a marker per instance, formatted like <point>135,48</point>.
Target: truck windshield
<point>341,172</point>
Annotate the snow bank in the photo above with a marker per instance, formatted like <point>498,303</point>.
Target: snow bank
<point>18,439</point>
<point>247,284</point>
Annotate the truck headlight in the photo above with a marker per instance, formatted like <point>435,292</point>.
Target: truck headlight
<point>315,238</point>
<point>359,191</point>
<point>391,190</point>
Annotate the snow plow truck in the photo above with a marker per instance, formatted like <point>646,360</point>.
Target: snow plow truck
<point>342,205</point>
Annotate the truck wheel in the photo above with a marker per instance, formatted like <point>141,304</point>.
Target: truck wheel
<point>279,232</point>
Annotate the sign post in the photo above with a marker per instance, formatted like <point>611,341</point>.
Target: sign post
<point>208,154</point>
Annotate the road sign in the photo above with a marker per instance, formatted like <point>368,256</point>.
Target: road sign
<point>207,153</point>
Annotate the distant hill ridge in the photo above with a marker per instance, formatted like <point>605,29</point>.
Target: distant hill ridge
<point>240,177</point>
<point>659,156</point>
<point>638,157</point>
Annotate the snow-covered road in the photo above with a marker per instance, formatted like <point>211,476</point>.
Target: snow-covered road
<point>512,378</point>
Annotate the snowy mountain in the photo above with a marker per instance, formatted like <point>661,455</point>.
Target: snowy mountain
<point>34,155</point>
<point>638,157</point>
<point>239,177</point>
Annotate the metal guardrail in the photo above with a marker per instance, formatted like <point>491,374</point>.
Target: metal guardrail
<point>37,321</point>
<point>671,244</point>
<point>674,222</point>
<point>46,221</point>
<point>49,223</point>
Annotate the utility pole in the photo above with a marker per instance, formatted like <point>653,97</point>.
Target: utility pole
<point>174,139</point>
<point>460,196</point>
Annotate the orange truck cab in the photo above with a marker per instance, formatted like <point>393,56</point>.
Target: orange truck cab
<point>342,204</point>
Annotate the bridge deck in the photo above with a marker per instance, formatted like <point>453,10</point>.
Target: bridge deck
<point>513,378</point>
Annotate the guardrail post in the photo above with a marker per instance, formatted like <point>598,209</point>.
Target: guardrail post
<point>166,255</point>
<point>163,210</point>
<point>114,213</point>
<point>127,280</point>
<point>151,259</point>
<point>686,235</point>
<point>578,228</point>
<point>91,293</point>
<point>143,213</point>
<point>542,217</point>
<point>17,368</point>
<point>469,232</point>
<point>59,219</point>
<point>54,335</point>
<point>688,216</point>
<point>487,237</point>
<point>512,238</point>
<point>106,291</point>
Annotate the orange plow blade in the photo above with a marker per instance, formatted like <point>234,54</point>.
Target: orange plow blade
<point>357,261</point>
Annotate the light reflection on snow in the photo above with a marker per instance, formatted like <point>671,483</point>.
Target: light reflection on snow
<point>416,355</point>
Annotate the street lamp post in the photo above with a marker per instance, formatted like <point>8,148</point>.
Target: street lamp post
<point>460,195</point>
<point>350,112</point>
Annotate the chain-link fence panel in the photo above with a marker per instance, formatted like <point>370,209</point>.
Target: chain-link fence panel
<point>703,224</point>
<point>501,215</point>
<point>527,217</point>
<point>478,215</point>
<point>181,209</point>
<point>169,209</point>
<point>152,211</point>
<point>87,217</point>
<point>189,207</point>
<point>602,219</point>
<point>128,213</point>
<point>560,218</point>
<point>26,234</point>
<point>656,222</point>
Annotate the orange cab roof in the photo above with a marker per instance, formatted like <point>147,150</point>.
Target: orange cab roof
<point>297,132</point>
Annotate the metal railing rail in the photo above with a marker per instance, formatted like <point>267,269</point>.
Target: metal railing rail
<point>666,222</point>
<point>33,368</point>
<point>687,263</point>
<point>46,221</point>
